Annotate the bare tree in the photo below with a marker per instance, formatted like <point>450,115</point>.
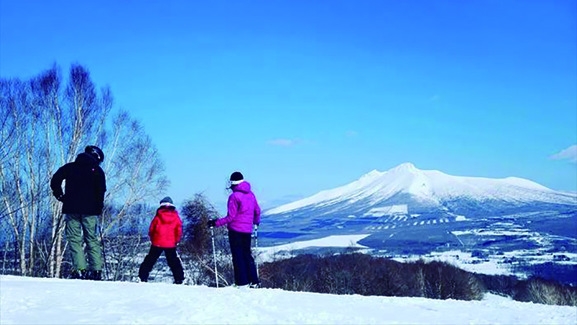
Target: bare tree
<point>133,167</point>
<point>18,175</point>
<point>44,126</point>
<point>196,247</point>
<point>8,143</point>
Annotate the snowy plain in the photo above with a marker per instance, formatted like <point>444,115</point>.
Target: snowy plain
<point>268,254</point>
<point>26,300</point>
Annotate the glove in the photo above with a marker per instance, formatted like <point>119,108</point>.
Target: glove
<point>60,197</point>
<point>211,223</point>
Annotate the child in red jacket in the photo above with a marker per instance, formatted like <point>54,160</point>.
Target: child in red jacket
<point>165,232</point>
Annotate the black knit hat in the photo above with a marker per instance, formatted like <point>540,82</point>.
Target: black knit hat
<point>167,199</point>
<point>236,178</point>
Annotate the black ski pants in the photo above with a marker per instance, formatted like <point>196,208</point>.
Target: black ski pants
<point>242,260</point>
<point>171,258</point>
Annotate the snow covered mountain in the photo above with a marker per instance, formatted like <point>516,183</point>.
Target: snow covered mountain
<point>409,190</point>
<point>427,205</point>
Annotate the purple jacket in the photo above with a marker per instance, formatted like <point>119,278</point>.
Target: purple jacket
<point>243,210</point>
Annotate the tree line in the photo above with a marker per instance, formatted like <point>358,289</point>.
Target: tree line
<point>358,273</point>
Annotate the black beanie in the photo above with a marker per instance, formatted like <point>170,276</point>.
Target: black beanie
<point>236,178</point>
<point>166,200</point>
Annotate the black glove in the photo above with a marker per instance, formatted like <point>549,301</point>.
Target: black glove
<point>211,223</point>
<point>60,197</point>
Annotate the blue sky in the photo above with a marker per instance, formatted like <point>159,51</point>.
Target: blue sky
<point>303,96</point>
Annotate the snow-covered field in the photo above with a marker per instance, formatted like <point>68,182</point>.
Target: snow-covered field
<point>463,260</point>
<point>26,300</point>
<point>267,254</point>
<point>460,259</point>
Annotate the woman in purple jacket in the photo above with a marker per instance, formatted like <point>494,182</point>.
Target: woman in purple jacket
<point>242,216</point>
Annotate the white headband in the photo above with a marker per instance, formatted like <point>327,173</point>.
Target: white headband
<point>236,182</point>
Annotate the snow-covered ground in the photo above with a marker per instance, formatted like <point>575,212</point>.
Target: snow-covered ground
<point>267,254</point>
<point>460,259</point>
<point>464,261</point>
<point>25,300</point>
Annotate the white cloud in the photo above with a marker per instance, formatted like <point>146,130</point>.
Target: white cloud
<point>351,133</point>
<point>567,154</point>
<point>282,142</point>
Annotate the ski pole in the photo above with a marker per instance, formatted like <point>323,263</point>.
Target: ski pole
<point>214,256</point>
<point>256,247</point>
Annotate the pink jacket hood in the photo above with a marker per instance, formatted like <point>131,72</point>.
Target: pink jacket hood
<point>242,209</point>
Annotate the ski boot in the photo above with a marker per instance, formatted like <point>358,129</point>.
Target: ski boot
<point>79,275</point>
<point>94,275</point>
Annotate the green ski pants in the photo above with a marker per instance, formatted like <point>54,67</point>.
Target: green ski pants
<point>81,228</point>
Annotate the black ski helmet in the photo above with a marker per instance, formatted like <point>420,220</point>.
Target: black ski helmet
<point>95,152</point>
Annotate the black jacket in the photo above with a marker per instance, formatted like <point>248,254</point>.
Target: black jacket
<point>85,186</point>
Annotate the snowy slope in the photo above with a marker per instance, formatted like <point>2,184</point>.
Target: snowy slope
<point>430,188</point>
<point>55,301</point>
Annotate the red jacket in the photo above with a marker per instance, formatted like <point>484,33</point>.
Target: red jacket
<point>165,229</point>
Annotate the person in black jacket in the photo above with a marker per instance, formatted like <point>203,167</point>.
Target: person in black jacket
<point>83,201</point>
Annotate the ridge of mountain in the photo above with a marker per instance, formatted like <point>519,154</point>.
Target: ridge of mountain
<point>427,188</point>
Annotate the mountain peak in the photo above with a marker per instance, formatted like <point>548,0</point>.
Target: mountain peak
<point>402,168</point>
<point>405,167</point>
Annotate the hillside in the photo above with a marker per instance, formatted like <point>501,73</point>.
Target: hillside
<point>56,301</point>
